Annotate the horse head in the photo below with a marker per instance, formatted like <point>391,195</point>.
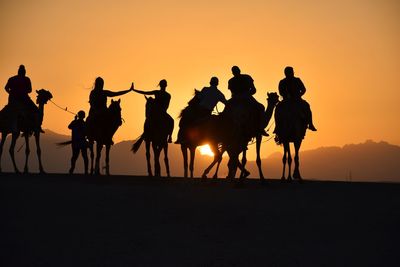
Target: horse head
<point>149,105</point>
<point>114,112</point>
<point>272,99</point>
<point>43,96</point>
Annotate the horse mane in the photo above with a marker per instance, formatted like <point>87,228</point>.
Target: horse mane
<point>192,102</point>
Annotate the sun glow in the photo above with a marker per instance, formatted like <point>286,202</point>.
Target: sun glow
<point>206,150</point>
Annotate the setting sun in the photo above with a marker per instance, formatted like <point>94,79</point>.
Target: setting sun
<point>206,150</point>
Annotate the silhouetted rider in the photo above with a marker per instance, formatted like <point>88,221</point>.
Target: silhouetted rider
<point>241,85</point>
<point>20,104</point>
<point>160,107</point>
<point>292,88</point>
<point>98,103</point>
<point>209,97</point>
<point>242,89</point>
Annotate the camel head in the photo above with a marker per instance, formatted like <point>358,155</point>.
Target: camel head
<point>43,96</point>
<point>272,98</point>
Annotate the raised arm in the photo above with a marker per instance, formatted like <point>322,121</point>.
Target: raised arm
<point>145,92</point>
<point>112,94</point>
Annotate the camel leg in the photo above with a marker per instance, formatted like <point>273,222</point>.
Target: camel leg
<point>217,159</point>
<point>258,160</point>
<point>185,160</point>
<point>296,172</point>
<point>12,149</point>
<point>39,152</point>
<point>192,156</point>
<point>157,167</point>
<point>91,157</point>
<point>108,147</point>
<point>166,161</point>
<point>218,164</point>
<point>3,140</point>
<point>99,147</point>
<point>232,165</point>
<point>27,152</point>
<point>149,171</point>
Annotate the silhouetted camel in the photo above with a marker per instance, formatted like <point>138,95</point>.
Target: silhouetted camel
<point>28,126</point>
<point>103,135</point>
<point>156,134</point>
<point>236,139</point>
<point>291,127</point>
<point>230,131</point>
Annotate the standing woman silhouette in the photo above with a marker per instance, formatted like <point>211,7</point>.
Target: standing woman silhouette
<point>161,104</point>
<point>98,103</point>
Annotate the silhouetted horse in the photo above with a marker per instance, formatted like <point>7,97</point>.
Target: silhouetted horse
<point>28,124</point>
<point>156,133</point>
<point>291,126</point>
<point>103,134</point>
<point>195,131</point>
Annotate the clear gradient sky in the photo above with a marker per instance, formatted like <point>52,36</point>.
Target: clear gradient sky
<point>346,52</point>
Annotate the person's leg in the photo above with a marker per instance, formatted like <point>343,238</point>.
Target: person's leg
<point>307,110</point>
<point>85,158</point>
<point>75,154</point>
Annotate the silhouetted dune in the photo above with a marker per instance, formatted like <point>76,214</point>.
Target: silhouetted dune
<point>368,161</point>
<point>63,220</point>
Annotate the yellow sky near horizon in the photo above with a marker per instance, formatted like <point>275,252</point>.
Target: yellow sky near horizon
<point>346,53</point>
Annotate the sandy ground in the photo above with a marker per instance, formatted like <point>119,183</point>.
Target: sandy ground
<point>62,220</point>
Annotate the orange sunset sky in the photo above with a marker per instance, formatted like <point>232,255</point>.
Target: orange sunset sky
<point>346,52</point>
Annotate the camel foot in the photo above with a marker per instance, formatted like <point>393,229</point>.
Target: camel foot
<point>215,177</point>
<point>289,179</point>
<point>283,179</point>
<point>245,174</point>
<point>204,176</point>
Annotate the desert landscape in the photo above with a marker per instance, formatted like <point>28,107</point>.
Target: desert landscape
<point>76,220</point>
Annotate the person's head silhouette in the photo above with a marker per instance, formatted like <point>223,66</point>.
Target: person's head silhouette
<point>21,70</point>
<point>214,81</point>
<point>289,72</point>
<point>163,84</point>
<point>81,114</point>
<point>99,83</point>
<point>235,71</point>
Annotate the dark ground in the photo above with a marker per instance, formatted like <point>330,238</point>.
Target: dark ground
<point>62,220</point>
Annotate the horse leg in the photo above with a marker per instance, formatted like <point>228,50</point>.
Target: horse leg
<point>296,172</point>
<point>149,171</point>
<point>39,152</point>
<point>244,161</point>
<point>192,156</point>
<point>284,159</point>
<point>91,157</point>
<point>99,147</point>
<point>185,160</point>
<point>3,140</point>
<point>289,162</point>
<point>166,161</point>
<point>258,160</point>
<point>108,147</point>
<point>12,149</point>
<point>157,167</point>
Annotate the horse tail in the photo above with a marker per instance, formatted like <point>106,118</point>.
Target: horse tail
<point>62,144</point>
<point>137,144</point>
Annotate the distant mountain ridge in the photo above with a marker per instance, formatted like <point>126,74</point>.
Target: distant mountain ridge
<point>368,161</point>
